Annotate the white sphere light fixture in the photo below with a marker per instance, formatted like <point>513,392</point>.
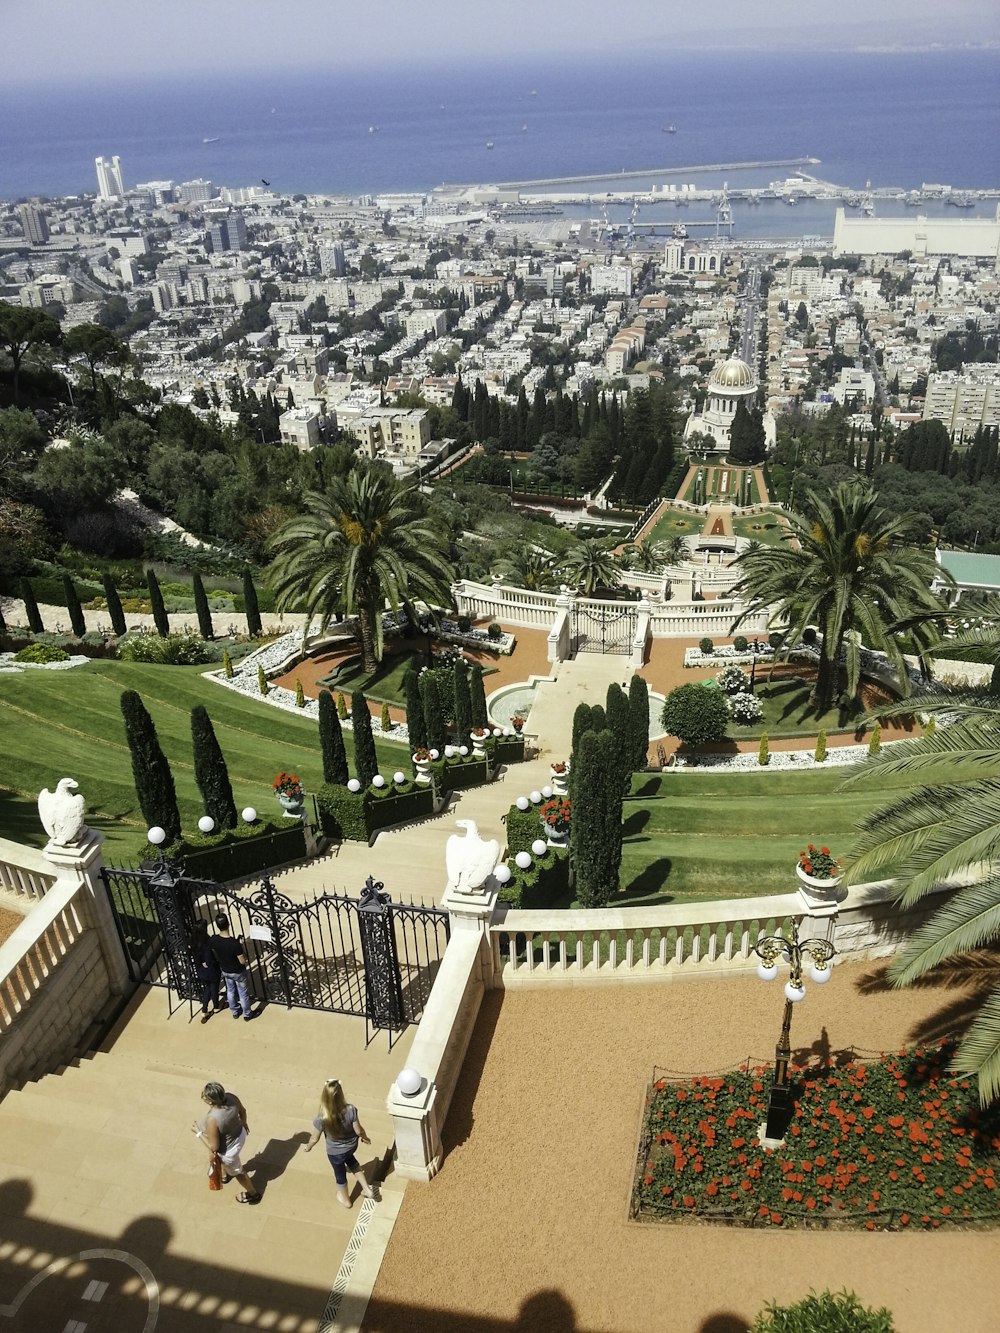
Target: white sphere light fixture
<point>378,780</point>
<point>409,1082</point>
<point>508,731</point>
<point>536,797</point>
<point>399,776</point>
<point>522,803</point>
<point>497,731</point>
<point>539,847</point>
<point>206,823</point>
<point>767,973</point>
<point>794,993</point>
<point>821,975</point>
<point>546,792</point>
<point>522,860</point>
<point>248,814</point>
<point>435,754</point>
<point>501,873</point>
<point>353,784</point>
<point>449,751</point>
<point>156,835</point>
<point>463,750</point>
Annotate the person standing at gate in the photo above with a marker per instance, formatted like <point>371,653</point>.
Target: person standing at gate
<point>206,967</point>
<point>231,953</point>
<point>338,1122</point>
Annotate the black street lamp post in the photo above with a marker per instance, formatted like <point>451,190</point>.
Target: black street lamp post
<point>770,949</point>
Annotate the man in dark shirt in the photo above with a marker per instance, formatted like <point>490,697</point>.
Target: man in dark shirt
<point>231,954</point>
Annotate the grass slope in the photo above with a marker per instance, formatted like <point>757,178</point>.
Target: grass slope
<point>700,836</point>
<point>69,724</point>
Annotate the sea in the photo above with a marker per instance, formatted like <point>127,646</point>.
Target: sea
<point>897,120</point>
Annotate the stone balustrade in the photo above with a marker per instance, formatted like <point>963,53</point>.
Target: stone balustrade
<point>24,871</point>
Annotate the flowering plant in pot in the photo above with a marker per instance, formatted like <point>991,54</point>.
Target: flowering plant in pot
<point>819,863</point>
<point>517,723</point>
<point>558,767</point>
<point>479,733</point>
<point>420,755</point>
<point>556,813</point>
<point>287,784</point>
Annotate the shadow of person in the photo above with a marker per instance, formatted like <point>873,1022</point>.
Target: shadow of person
<point>270,1162</point>
<point>545,1312</point>
<point>724,1322</point>
<point>15,1197</point>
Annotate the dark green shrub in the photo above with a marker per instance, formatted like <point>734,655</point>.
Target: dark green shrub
<point>819,754</point>
<point>251,605</point>
<point>542,885</point>
<point>262,684</point>
<point>809,636</point>
<point>365,758</point>
<point>331,741</point>
<point>154,782</point>
<point>775,640</point>
<point>236,853</point>
<point>201,607</point>
<point>76,616</point>
<point>494,631</point>
<point>396,805</point>
<point>31,611</point>
<point>455,774</point>
<point>210,771</point>
<point>464,623</point>
<point>41,653</point>
<point>462,711</point>
<point>740,643</point>
<point>157,609</point>
<point>508,750</point>
<point>433,716</point>
<point>595,833</point>
<point>477,696</point>
<point>706,645</point>
<point>227,664</point>
<point>638,707</point>
<point>385,720</point>
<point>695,715</point>
<point>342,813</point>
<point>523,827</point>
<point>763,753</point>
<point>824,1313</point>
<point>114,605</point>
<point>415,712</point>
<point>300,694</point>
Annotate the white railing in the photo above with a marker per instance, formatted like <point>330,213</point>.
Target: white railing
<point>24,871</point>
<point>696,619</point>
<point>514,606</point>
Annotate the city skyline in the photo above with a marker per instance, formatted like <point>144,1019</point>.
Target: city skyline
<point>103,36</point>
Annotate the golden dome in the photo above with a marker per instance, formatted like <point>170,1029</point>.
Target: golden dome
<point>732,374</point>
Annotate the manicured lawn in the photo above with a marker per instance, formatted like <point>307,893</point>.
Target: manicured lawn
<point>763,528</point>
<point>787,711</point>
<point>671,524</point>
<point>699,836</point>
<point>386,685</point>
<point>68,724</point>
<point>895,1144</point>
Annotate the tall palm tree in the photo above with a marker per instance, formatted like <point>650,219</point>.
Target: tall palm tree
<point>590,562</point>
<point>947,826</point>
<point>649,556</point>
<point>846,568</point>
<point>531,567</point>
<point>362,543</point>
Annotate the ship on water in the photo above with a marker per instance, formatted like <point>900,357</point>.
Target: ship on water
<point>214,139</point>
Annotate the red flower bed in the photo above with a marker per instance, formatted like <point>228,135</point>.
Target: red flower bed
<point>893,1143</point>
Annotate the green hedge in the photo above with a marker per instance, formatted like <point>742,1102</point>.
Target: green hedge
<point>542,884</point>
<point>507,749</point>
<point>354,816</point>
<point>455,774</point>
<point>244,850</point>
<point>523,827</point>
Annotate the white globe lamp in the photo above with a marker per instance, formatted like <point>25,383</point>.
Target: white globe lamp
<point>546,792</point>
<point>794,993</point>
<point>353,784</point>
<point>536,797</point>
<point>156,835</point>
<point>378,780</point>
<point>398,776</point>
<point>539,847</point>
<point>501,873</point>
<point>248,814</point>
<point>767,972</point>
<point>821,975</point>
<point>409,1082</point>
<point>206,823</point>
<point>522,860</point>
<point>522,803</point>
<point>463,750</point>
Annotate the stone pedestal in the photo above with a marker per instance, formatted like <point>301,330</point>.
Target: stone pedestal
<point>821,896</point>
<point>82,862</point>
<point>415,1125</point>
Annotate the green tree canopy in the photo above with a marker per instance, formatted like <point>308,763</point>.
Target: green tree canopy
<point>23,330</point>
<point>695,714</point>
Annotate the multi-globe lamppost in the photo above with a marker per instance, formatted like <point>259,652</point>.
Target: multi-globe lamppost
<point>770,949</point>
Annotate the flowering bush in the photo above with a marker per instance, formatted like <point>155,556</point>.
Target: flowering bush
<point>895,1143</point>
<point>745,709</point>
<point>517,723</point>
<point>556,813</point>
<point>732,679</point>
<point>558,767</point>
<point>287,784</point>
<point>818,862</point>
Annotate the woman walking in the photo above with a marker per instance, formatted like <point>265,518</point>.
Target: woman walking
<point>338,1122</point>
<point>224,1131</point>
<point>207,970</point>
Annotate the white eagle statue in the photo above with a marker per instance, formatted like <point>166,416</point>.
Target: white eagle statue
<point>62,813</point>
<point>469,860</point>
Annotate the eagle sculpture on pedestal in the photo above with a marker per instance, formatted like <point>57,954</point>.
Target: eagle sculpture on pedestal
<point>62,813</point>
<point>469,860</point>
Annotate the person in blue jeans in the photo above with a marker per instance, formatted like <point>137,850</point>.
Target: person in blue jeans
<point>338,1122</point>
<point>206,967</point>
<point>232,957</point>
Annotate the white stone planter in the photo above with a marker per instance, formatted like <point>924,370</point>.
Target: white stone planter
<point>423,768</point>
<point>820,893</point>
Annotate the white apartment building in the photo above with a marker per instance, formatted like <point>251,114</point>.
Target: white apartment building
<point>611,280</point>
<point>854,385</point>
<point>963,401</point>
<point>394,430</point>
<point>421,322</point>
<point>300,426</point>
<point>109,177</point>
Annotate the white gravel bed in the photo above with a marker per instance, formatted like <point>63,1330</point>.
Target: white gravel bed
<point>8,664</point>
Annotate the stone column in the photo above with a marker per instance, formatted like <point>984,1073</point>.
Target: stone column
<point>81,862</point>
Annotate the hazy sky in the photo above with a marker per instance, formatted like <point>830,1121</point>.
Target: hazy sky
<point>46,40</point>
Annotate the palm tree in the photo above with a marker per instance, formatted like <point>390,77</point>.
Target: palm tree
<point>847,569</point>
<point>362,543</point>
<point>591,563</point>
<point>947,826</point>
<point>649,556</point>
<point>531,567</point>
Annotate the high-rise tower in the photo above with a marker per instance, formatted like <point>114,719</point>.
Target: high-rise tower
<point>36,228</point>
<point>109,177</point>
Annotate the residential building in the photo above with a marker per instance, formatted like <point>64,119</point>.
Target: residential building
<point>33,220</point>
<point>300,426</point>
<point>228,233</point>
<point>394,431</point>
<point>197,191</point>
<point>420,322</point>
<point>964,400</point>
<point>110,184</point>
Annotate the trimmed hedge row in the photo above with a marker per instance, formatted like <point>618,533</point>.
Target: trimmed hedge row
<point>523,827</point>
<point>244,850</point>
<point>542,884</point>
<point>456,774</point>
<point>354,816</point>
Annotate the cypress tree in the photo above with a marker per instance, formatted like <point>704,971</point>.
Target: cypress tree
<point>31,611</point>
<point>433,716</point>
<point>477,696</point>
<point>74,608</point>
<point>201,608</point>
<point>262,684</point>
<point>210,771</point>
<point>581,723</point>
<point>463,704</point>
<point>300,694</point>
<point>638,707</point>
<point>331,741</point>
<point>620,726</point>
<point>154,782</point>
<point>250,606</point>
<point>415,723</point>
<point>3,623</point>
<point>227,664</point>
<point>160,618</point>
<point>365,758</point>
<point>595,826</point>
<point>114,605</point>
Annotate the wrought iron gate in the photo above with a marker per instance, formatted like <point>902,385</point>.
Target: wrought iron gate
<point>603,627</point>
<point>366,956</point>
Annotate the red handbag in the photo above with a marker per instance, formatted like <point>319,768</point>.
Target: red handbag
<point>215,1172</point>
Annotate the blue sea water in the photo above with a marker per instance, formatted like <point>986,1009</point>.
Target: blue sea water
<point>895,119</point>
